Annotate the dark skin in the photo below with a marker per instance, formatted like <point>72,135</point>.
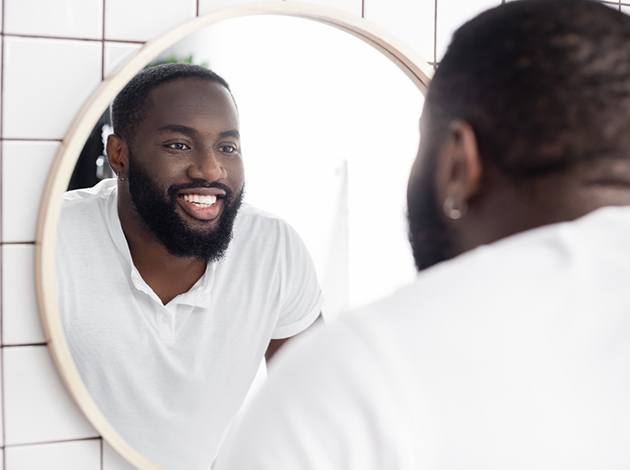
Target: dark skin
<point>497,206</point>
<point>190,131</point>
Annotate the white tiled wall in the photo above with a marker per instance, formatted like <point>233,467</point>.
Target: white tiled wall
<point>46,82</point>
<point>25,166</point>
<point>67,18</point>
<point>54,53</point>
<point>116,53</point>
<point>74,455</point>
<point>140,20</point>
<point>20,321</point>
<point>37,409</point>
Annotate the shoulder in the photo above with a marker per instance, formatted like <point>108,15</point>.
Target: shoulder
<point>88,198</point>
<point>265,225</point>
<point>509,288</point>
<point>85,209</point>
<point>251,215</point>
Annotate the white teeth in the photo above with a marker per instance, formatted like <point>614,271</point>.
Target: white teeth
<point>200,199</point>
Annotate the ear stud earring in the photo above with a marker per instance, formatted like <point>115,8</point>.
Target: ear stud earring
<point>452,211</point>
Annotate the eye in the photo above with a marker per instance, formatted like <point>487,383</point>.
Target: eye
<point>180,146</point>
<point>228,148</point>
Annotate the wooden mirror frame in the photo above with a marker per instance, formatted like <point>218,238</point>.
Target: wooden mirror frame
<point>71,146</point>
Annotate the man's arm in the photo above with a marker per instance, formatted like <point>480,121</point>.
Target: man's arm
<point>276,344</point>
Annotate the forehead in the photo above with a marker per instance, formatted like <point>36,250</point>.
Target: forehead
<point>201,104</point>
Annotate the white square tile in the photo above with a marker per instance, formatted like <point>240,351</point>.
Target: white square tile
<point>349,6</point>
<point>66,18</point>
<point>1,59</point>
<point>411,22</point>
<point>20,319</point>
<point>141,20</point>
<point>117,53</point>
<point>1,420</point>
<point>113,461</point>
<point>451,14</point>
<point>74,455</point>
<point>25,166</point>
<point>207,5</point>
<point>45,83</point>
<point>625,9</point>
<point>37,406</point>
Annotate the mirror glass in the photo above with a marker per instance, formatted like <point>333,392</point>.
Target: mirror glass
<point>328,131</point>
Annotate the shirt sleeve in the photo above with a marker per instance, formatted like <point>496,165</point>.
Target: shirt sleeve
<point>325,406</point>
<point>300,298</point>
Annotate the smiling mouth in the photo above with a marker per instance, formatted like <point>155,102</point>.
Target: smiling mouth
<point>204,207</point>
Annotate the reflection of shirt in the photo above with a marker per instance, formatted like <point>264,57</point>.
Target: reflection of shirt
<point>170,377</point>
<point>514,356</point>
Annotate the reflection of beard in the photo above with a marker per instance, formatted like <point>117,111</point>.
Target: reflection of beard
<point>159,215</point>
<point>430,238</point>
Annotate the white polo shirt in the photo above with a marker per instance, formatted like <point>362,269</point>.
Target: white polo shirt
<point>513,356</point>
<point>169,378</point>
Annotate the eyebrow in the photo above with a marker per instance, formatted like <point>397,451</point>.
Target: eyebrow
<point>191,132</point>
<point>231,133</point>
<point>178,128</point>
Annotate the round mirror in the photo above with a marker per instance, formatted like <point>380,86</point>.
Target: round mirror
<point>306,132</point>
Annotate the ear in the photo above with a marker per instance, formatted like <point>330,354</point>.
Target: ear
<point>458,171</point>
<point>118,154</point>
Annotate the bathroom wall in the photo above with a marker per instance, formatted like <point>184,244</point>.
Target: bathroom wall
<point>54,53</point>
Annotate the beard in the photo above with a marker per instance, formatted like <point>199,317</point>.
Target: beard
<point>158,212</point>
<point>429,235</point>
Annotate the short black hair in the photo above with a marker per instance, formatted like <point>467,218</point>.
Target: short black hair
<point>544,84</point>
<point>127,109</point>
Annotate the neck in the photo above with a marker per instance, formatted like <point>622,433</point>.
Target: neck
<point>560,198</point>
<point>167,275</point>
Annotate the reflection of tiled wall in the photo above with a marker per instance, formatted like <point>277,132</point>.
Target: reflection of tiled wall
<point>54,54</point>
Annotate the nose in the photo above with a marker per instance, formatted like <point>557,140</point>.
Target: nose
<point>207,166</point>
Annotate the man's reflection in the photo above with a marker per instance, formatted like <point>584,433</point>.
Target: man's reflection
<point>171,290</point>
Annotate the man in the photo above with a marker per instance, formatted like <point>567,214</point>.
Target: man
<point>513,354</point>
<point>172,292</point>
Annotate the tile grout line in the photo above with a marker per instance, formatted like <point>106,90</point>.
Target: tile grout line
<point>58,441</point>
<point>44,36</point>
<point>23,345</point>
<point>30,139</point>
<point>362,8</point>
<point>70,38</point>
<point>103,41</point>
<point>123,41</point>
<point>2,377</point>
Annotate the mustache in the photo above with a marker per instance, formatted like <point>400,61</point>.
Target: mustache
<point>176,188</point>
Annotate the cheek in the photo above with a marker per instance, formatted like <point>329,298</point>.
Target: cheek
<point>169,169</point>
<point>236,172</point>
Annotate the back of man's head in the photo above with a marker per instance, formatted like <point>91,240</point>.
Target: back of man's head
<point>544,84</point>
<point>525,124</point>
